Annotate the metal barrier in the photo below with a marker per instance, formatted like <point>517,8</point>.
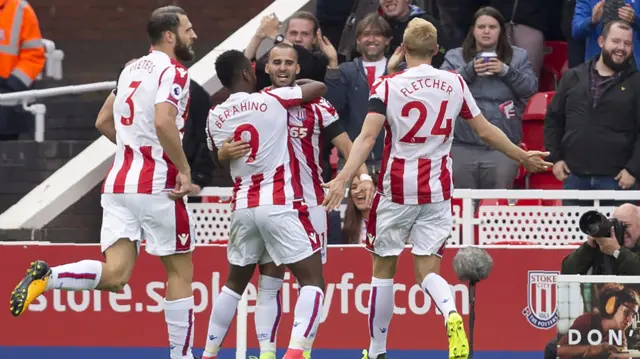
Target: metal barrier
<point>491,224</point>
<point>40,110</point>
<point>52,69</point>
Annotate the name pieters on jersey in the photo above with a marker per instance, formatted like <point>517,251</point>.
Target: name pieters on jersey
<point>140,164</point>
<point>417,168</point>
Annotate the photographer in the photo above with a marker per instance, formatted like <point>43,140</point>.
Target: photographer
<point>622,254</point>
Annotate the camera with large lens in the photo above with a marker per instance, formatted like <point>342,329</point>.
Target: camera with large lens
<point>596,224</point>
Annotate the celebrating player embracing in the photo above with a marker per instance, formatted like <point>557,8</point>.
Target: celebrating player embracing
<point>268,223</point>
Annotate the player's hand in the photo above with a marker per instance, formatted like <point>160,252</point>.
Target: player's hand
<point>327,49</point>
<point>183,186</point>
<point>561,170</point>
<point>233,149</point>
<point>195,189</point>
<point>395,60</point>
<point>334,197</point>
<point>534,161</point>
<point>369,190</point>
<point>625,179</point>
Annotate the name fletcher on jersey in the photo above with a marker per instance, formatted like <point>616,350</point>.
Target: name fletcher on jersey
<point>426,83</point>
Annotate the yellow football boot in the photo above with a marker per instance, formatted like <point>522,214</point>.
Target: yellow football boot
<point>30,287</point>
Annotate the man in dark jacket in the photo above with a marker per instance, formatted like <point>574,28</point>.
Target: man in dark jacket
<point>194,141</point>
<point>592,126</point>
<point>300,30</point>
<point>625,258</point>
<point>348,84</point>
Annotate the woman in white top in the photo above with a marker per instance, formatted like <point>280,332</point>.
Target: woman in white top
<point>354,229</point>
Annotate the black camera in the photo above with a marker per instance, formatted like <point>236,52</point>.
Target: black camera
<point>596,224</point>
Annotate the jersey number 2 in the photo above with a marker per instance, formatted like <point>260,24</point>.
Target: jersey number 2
<point>127,121</point>
<point>442,127</point>
<point>253,141</point>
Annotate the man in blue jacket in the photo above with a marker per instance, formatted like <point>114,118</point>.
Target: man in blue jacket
<point>590,17</point>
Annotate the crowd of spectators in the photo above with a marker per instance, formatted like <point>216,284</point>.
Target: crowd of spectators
<point>350,45</point>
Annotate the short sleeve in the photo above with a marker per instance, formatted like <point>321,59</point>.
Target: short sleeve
<point>213,124</point>
<point>173,85</point>
<point>469,108</point>
<point>378,96</point>
<point>286,96</point>
<point>327,114</point>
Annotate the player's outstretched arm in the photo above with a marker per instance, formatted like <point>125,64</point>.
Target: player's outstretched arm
<point>532,160</point>
<point>362,146</point>
<point>104,122</point>
<point>311,89</point>
<point>169,137</point>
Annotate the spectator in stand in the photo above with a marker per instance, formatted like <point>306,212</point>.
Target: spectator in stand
<point>455,17</point>
<point>575,47</point>
<point>301,31</point>
<point>501,86</point>
<point>21,61</point>
<point>398,13</point>
<point>332,16</point>
<point>589,21</point>
<point>356,215</point>
<point>527,20</point>
<point>348,84</point>
<point>194,141</point>
<point>592,126</point>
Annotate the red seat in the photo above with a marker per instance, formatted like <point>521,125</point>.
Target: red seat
<point>533,120</point>
<point>516,243</point>
<point>529,202</point>
<point>552,202</point>
<point>333,161</point>
<point>555,59</point>
<point>556,54</point>
<point>543,180</point>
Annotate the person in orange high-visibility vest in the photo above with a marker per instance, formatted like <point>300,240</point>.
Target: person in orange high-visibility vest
<point>21,61</point>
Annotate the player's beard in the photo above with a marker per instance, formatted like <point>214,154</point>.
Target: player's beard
<point>183,51</point>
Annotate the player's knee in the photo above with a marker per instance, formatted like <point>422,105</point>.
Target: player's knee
<point>384,267</point>
<point>313,280</point>
<point>115,278</point>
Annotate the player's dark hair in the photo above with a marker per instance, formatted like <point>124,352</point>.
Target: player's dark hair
<point>229,67</point>
<point>162,20</point>
<point>283,45</point>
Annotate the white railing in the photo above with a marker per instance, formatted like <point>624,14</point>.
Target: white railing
<point>552,225</point>
<point>39,110</point>
<point>52,69</point>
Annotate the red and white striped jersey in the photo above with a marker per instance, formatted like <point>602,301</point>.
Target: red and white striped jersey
<point>306,123</point>
<point>140,164</point>
<point>420,105</point>
<point>263,176</point>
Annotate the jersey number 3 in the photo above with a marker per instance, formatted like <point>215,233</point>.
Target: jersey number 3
<point>442,127</point>
<point>127,121</point>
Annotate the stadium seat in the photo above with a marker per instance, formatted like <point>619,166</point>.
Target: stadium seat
<point>333,161</point>
<point>533,120</point>
<point>543,180</point>
<point>547,79</point>
<point>555,56</point>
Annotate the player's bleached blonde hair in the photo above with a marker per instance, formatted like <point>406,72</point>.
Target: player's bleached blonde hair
<point>420,38</point>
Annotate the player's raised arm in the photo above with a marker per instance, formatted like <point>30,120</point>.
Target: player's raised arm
<point>311,89</point>
<point>494,137</point>
<point>362,146</point>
